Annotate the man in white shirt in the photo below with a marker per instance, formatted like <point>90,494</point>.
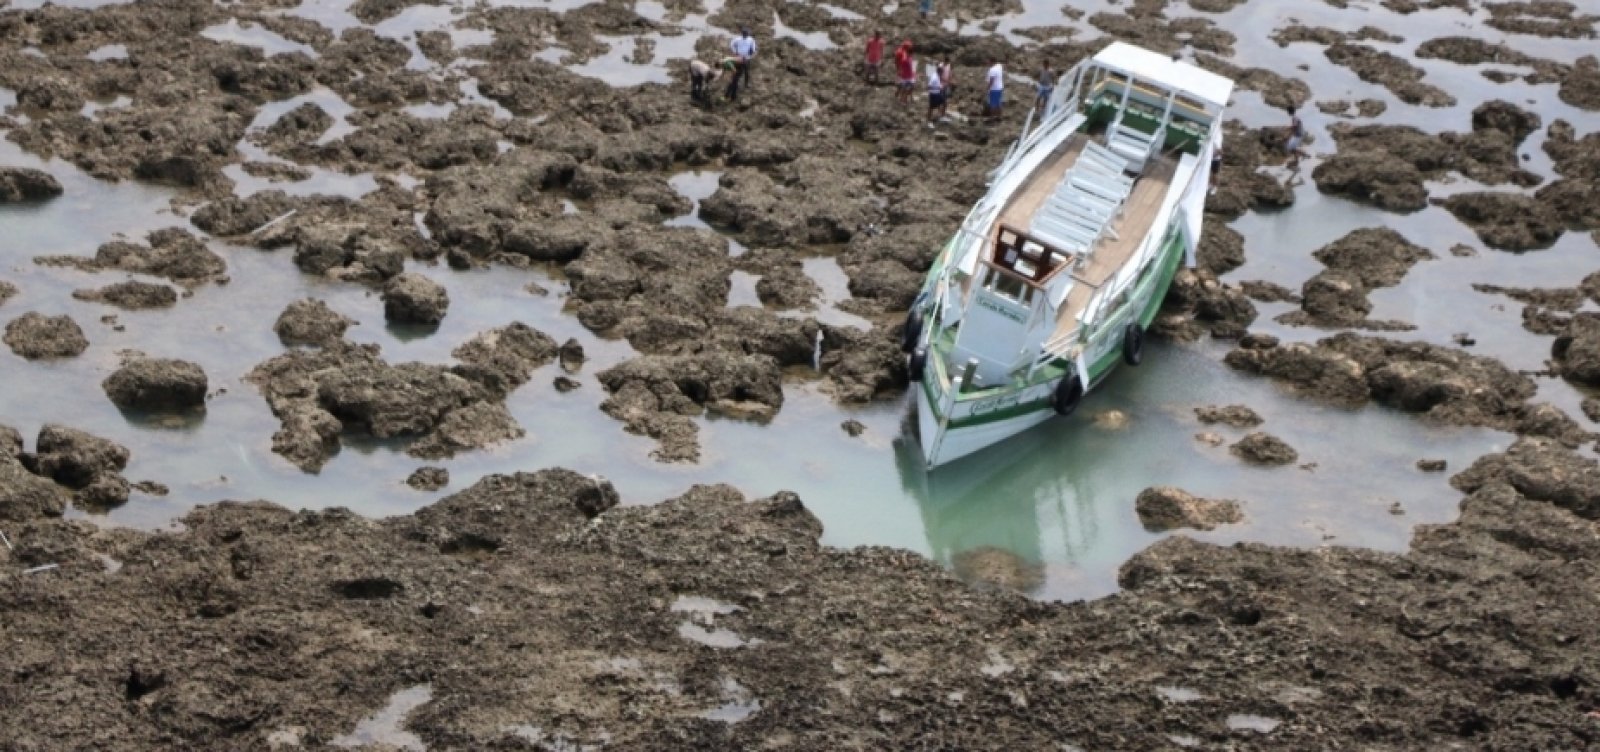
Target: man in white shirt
<point>744,49</point>
<point>997,88</point>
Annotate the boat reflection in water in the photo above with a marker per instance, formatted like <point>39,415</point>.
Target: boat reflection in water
<point>1051,511</point>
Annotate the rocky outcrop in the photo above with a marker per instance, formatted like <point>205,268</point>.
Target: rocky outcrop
<point>173,254</point>
<point>1508,221</point>
<point>310,322</point>
<point>657,396</point>
<point>132,295</point>
<point>320,393</point>
<point>1577,349</point>
<point>35,336</point>
<point>27,184</point>
<point>1238,416</point>
<point>414,299</point>
<point>1444,383</point>
<point>1365,259</point>
<point>429,478</point>
<point>157,384</point>
<point>89,465</point>
<point>1164,508</point>
<point>1264,449</point>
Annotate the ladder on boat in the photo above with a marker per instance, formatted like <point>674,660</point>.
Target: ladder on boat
<point>1089,198</point>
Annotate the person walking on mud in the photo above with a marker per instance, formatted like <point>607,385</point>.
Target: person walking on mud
<point>905,71</point>
<point>874,61</point>
<point>1297,137</point>
<point>744,50</point>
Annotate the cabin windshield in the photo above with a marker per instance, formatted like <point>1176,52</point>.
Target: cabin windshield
<point>1029,260</point>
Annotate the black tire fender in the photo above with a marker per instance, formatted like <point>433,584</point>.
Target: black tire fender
<point>911,334</point>
<point>1132,344</point>
<point>916,364</point>
<point>1068,394</point>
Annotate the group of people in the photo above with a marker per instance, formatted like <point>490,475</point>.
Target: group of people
<point>941,79</point>
<point>737,65</point>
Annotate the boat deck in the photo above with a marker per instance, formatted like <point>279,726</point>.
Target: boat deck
<point>1140,211</point>
<point>1138,215</point>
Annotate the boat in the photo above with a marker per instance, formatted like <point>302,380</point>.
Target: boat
<point>1054,275</point>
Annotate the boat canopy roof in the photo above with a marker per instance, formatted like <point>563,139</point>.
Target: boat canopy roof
<point>1159,69</point>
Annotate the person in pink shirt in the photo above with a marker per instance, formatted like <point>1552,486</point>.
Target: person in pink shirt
<point>874,57</point>
<point>905,69</point>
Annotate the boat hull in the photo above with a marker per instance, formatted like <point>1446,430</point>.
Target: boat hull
<point>951,426</point>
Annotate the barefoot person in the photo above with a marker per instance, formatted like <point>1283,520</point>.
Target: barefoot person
<point>996,79</point>
<point>744,50</point>
<point>1297,137</point>
<point>947,79</point>
<point>1045,85</point>
<point>702,75</point>
<point>905,70</point>
<point>874,57</point>
<point>936,94</point>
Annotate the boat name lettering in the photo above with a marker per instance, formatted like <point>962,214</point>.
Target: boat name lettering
<point>1013,315</point>
<point>991,404</point>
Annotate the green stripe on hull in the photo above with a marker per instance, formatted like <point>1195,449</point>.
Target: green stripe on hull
<point>1156,284</point>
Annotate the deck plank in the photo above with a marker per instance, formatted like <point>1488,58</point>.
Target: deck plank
<point>1142,207</point>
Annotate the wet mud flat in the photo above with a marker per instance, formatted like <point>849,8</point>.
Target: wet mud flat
<point>364,180</point>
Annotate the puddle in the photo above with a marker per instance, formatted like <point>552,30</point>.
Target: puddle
<point>742,290</point>
<point>811,40</point>
<point>695,604</point>
<point>92,108</point>
<point>250,35</point>
<point>1436,295</point>
<point>1179,694</point>
<point>322,180</point>
<point>416,19</point>
<point>385,727</point>
<point>109,52</point>
<point>835,285</point>
<point>725,639</point>
<point>835,11</point>
<point>1257,723</point>
<point>739,703</point>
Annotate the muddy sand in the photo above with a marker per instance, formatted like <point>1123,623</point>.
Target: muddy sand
<point>539,610</point>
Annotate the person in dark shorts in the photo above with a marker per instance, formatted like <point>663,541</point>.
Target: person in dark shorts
<point>936,95</point>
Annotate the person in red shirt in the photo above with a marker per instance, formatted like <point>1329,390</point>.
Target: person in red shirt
<point>874,57</point>
<point>906,70</point>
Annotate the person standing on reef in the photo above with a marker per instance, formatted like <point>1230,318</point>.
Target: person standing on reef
<point>1046,85</point>
<point>874,57</point>
<point>947,78</point>
<point>731,65</point>
<point>905,70</point>
<point>925,8</point>
<point>936,95</point>
<point>996,78</point>
<point>744,50</point>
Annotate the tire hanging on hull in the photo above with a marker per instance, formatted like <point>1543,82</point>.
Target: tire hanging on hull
<point>1132,344</point>
<point>1068,394</point>
<point>911,334</point>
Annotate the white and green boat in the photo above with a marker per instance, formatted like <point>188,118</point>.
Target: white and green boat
<point>1056,272</point>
